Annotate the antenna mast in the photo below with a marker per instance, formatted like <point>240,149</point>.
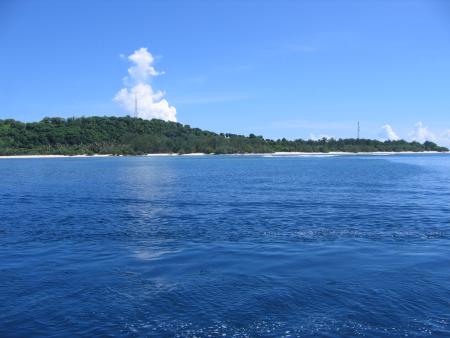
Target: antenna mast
<point>359,130</point>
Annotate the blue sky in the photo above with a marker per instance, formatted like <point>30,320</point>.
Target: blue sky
<point>274,68</point>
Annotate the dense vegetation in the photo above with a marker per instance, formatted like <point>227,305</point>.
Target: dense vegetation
<point>132,136</point>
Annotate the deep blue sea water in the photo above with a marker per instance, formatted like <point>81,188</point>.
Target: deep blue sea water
<point>225,246</point>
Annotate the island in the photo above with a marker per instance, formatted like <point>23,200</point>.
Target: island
<point>135,136</point>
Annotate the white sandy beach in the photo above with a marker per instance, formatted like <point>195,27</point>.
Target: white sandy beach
<point>275,154</point>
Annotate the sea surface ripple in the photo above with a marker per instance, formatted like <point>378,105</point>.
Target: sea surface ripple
<point>225,246</point>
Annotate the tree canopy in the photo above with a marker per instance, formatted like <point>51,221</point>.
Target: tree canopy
<point>135,136</point>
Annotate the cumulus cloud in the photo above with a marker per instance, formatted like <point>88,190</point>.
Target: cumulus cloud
<point>388,133</point>
<point>421,133</point>
<point>139,93</point>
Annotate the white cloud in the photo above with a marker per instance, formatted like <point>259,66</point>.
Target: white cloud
<point>142,69</point>
<point>421,133</point>
<point>388,133</point>
<point>138,91</point>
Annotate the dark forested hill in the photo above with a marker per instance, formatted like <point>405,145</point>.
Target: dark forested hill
<point>127,135</point>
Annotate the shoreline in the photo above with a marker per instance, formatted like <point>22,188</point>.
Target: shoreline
<point>275,154</point>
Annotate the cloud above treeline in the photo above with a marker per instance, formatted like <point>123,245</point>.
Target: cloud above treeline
<point>388,133</point>
<point>420,133</point>
<point>139,93</point>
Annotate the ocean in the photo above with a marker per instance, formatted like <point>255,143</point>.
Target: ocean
<point>236,246</point>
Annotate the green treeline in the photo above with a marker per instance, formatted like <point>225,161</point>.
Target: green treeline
<point>134,136</point>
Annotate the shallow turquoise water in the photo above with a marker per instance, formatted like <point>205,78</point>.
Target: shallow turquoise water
<point>235,246</point>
